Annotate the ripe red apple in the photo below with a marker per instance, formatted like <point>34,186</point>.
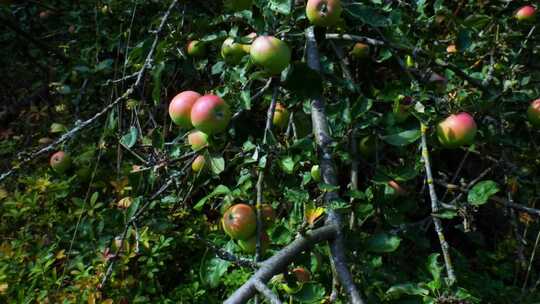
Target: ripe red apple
<point>281,116</point>
<point>270,53</point>
<point>316,173</point>
<point>399,191</point>
<point>196,48</point>
<point>456,130</point>
<point>197,140</point>
<point>60,161</point>
<point>250,245</point>
<point>239,222</point>
<point>301,274</point>
<point>533,113</point>
<point>233,52</point>
<point>323,12</point>
<point>210,114</point>
<point>360,51</point>
<point>198,163</point>
<point>180,108</point>
<point>267,215</point>
<point>525,13</point>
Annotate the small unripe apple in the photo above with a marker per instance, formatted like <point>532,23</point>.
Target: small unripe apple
<point>270,53</point>
<point>180,108</point>
<point>198,163</point>
<point>232,52</point>
<point>457,130</point>
<point>281,116</point>
<point>197,140</point>
<point>360,51</point>
<point>239,222</point>
<point>196,48</point>
<point>533,113</point>
<point>60,162</point>
<point>367,146</point>
<point>249,246</point>
<point>323,12</point>
<point>525,13</point>
<point>316,173</point>
<point>210,114</point>
<point>267,215</point>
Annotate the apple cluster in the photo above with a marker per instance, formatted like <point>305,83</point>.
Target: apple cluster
<point>208,114</point>
<point>240,223</point>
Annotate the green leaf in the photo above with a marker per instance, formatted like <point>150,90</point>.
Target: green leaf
<point>280,6</point>
<point>310,293</point>
<point>481,192</point>
<point>403,138</point>
<point>129,139</point>
<point>217,164</point>
<point>214,270</point>
<point>156,77</point>
<point>383,243</point>
<point>219,190</point>
<point>433,266</point>
<point>411,289</point>
<point>367,15</point>
<point>287,164</point>
<point>304,81</point>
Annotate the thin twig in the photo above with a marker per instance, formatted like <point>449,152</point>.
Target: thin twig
<point>435,208</point>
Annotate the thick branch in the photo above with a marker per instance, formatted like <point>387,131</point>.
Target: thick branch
<point>266,292</point>
<point>280,260</point>
<point>328,172</point>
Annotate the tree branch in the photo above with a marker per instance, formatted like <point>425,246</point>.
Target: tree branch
<point>328,172</point>
<point>81,126</point>
<point>280,260</point>
<point>266,292</point>
<point>435,208</point>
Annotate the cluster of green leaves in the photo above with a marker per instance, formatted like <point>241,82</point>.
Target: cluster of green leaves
<point>58,231</point>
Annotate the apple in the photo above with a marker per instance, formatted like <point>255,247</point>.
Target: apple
<point>267,215</point>
<point>281,116</point>
<point>533,113</point>
<point>239,5</point>
<point>316,173</point>
<point>210,114</point>
<point>525,13</point>
<point>456,130</point>
<point>239,222</point>
<point>45,14</point>
<point>233,52</point>
<point>198,163</point>
<point>196,48</point>
<point>270,53</point>
<point>60,162</point>
<point>451,48</point>
<point>360,51</point>
<point>197,140</point>
<point>301,274</point>
<point>323,12</point>
<point>367,146</point>
<point>401,109</point>
<point>249,246</point>
<point>399,191</point>
<point>180,108</point>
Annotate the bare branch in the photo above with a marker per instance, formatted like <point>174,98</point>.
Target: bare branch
<point>435,208</point>
<point>328,173</point>
<point>280,260</point>
<point>266,292</point>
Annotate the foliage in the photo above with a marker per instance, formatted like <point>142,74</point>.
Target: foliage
<point>58,232</point>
